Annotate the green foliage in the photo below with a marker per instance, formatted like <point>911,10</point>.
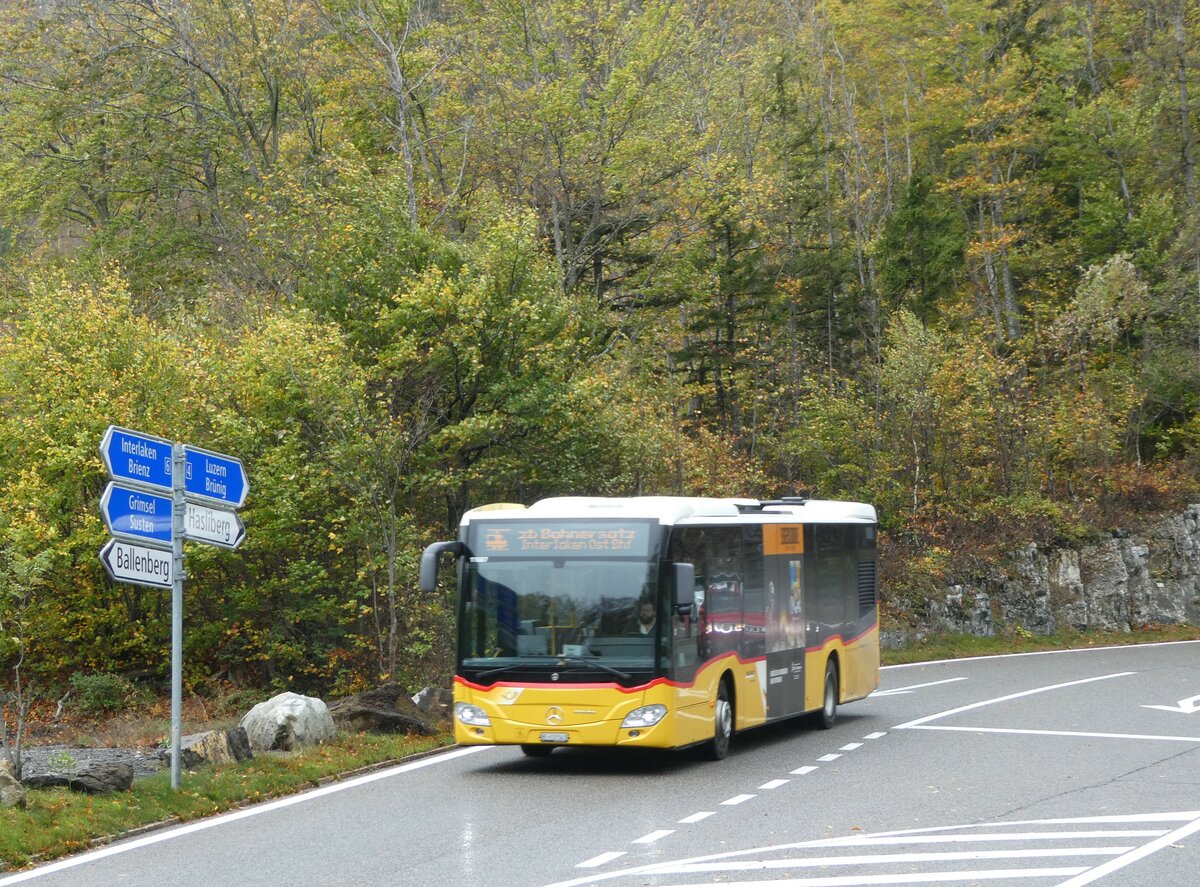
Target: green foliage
<point>403,259</point>
<point>101,692</point>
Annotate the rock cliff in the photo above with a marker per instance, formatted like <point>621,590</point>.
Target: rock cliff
<point>1126,581</point>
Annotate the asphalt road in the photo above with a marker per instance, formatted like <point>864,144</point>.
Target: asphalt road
<point>1060,769</point>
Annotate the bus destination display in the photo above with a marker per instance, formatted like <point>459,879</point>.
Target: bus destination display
<point>561,539</point>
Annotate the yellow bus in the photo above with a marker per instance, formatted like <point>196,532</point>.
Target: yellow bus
<point>658,622</point>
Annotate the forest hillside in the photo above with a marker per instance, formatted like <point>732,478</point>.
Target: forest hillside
<point>404,257</point>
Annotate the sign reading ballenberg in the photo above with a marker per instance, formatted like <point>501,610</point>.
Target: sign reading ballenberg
<point>161,494</point>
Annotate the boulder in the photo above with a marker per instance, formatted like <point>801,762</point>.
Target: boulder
<point>214,747</point>
<point>386,709</point>
<point>97,778</point>
<point>288,721</point>
<point>435,703</point>
<point>12,794</point>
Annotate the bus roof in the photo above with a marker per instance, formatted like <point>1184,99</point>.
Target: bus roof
<point>682,510</point>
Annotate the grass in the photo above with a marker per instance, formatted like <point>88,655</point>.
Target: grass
<point>58,822</point>
<point>958,646</point>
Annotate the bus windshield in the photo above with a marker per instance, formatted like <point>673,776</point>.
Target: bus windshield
<point>528,606</point>
<point>533,609</point>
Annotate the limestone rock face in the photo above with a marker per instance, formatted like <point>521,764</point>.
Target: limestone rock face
<point>1119,583</point>
<point>12,794</point>
<point>386,709</point>
<point>288,721</point>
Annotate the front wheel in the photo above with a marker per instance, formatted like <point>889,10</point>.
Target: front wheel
<point>718,747</point>
<point>829,704</point>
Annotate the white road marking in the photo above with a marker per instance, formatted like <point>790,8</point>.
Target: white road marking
<point>851,747</point>
<point>774,783</point>
<point>974,705</point>
<point>737,799</point>
<point>919,878</point>
<point>1134,855</point>
<point>1184,706</point>
<point>898,691</point>
<point>803,771</point>
<point>654,836</point>
<point>875,735</point>
<point>825,759</point>
<point>246,813</point>
<point>812,862</point>
<point>1192,739</point>
<point>697,817</point>
<point>1074,840</point>
<point>602,859</point>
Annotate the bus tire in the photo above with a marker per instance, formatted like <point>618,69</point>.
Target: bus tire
<point>718,747</point>
<point>825,718</point>
<point>537,751</point>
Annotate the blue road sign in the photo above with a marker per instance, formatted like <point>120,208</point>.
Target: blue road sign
<point>136,514</point>
<point>215,476</point>
<point>137,458</point>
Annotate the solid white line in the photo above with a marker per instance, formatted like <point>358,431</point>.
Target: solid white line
<point>914,878</point>
<point>696,817</point>
<point>654,836</point>
<point>895,691</point>
<point>953,711</point>
<point>737,799</point>
<point>851,747</point>
<point>901,840</point>
<point>602,859</point>
<point>1134,855</point>
<point>825,759</point>
<point>213,822</point>
<point>1061,733</point>
<point>963,659</point>
<point>774,783</point>
<point>875,735</point>
<point>814,862</point>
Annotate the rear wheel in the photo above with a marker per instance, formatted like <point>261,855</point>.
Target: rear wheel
<point>537,751</point>
<point>829,703</point>
<point>718,747</point>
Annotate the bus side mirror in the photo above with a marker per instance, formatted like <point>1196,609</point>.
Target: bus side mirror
<point>685,583</point>
<point>429,562</point>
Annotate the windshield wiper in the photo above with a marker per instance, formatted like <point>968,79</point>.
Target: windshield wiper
<point>592,663</point>
<point>516,665</point>
<point>556,660</point>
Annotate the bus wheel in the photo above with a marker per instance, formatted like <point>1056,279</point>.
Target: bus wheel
<point>537,751</point>
<point>718,747</point>
<point>829,703</point>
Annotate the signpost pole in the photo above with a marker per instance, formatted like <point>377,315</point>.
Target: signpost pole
<point>179,509</point>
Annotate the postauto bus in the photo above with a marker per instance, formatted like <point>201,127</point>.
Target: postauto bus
<point>658,622</point>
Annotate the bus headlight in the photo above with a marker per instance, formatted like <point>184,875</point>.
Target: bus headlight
<point>471,715</point>
<point>646,716</point>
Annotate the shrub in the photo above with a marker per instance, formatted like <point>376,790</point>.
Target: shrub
<point>102,692</point>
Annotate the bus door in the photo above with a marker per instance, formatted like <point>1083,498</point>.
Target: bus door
<point>785,615</point>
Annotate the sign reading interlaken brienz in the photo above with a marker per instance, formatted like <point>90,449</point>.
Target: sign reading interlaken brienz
<point>162,493</point>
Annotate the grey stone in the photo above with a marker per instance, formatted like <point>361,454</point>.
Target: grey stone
<point>288,721</point>
<point>12,794</point>
<point>386,709</point>
<point>214,747</point>
<point>94,779</point>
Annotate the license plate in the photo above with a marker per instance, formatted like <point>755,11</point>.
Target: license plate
<point>553,737</point>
